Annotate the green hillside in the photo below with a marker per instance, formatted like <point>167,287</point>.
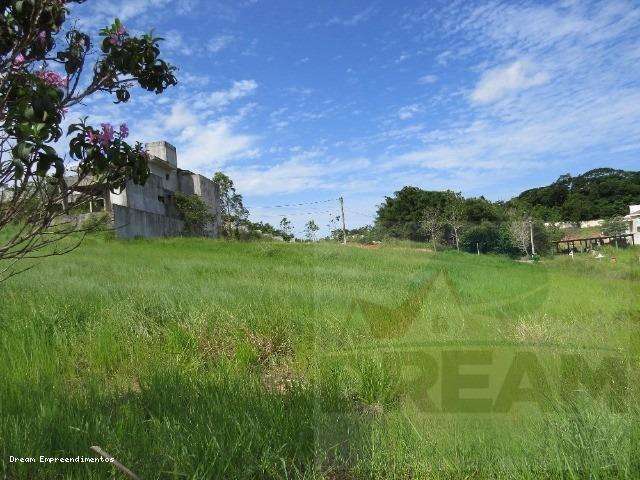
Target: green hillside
<point>599,193</point>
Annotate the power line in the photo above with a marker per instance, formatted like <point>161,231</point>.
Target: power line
<point>291,214</point>
<point>360,213</point>
<point>299,204</point>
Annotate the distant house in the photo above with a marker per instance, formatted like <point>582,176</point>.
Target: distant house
<point>634,222</point>
<point>149,210</point>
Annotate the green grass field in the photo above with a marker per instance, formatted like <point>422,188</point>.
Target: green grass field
<point>188,358</point>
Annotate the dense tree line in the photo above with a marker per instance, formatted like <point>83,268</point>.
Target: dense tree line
<point>401,216</point>
<point>445,218</point>
<point>480,225</point>
<point>599,193</point>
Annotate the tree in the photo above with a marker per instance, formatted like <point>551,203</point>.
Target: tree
<point>260,229</point>
<point>455,216</point>
<point>598,193</point>
<point>286,227</point>
<point>481,238</point>
<point>401,215</point>
<point>239,214</point>
<point>432,225</point>
<point>194,212</point>
<point>226,191</point>
<point>234,213</point>
<point>615,226</point>
<point>44,72</point>
<point>310,230</point>
<point>335,231</point>
<point>519,226</point>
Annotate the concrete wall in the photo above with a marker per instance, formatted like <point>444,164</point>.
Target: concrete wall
<point>185,182</point>
<point>163,150</point>
<point>143,197</point>
<point>131,223</point>
<point>210,193</point>
<point>562,225</point>
<point>165,172</point>
<point>590,223</point>
<point>195,184</point>
<point>149,210</point>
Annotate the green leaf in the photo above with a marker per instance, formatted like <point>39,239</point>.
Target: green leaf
<point>22,151</point>
<point>18,168</point>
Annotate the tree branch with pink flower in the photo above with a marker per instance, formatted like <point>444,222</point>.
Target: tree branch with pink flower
<point>44,73</point>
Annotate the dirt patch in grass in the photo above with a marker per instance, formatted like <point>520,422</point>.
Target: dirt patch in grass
<point>274,362</point>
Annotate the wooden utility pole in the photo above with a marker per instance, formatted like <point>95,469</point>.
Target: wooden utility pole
<point>533,245</point>
<point>344,225</point>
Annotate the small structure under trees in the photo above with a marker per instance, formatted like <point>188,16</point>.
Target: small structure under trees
<point>584,244</point>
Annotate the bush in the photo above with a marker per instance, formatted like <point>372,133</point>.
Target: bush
<point>546,237</point>
<point>195,214</point>
<point>96,222</point>
<point>484,237</point>
<point>495,238</point>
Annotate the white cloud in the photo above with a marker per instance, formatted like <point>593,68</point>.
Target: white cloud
<point>219,43</point>
<point>98,13</point>
<point>205,144</point>
<point>222,98</point>
<point>507,79</point>
<point>353,20</point>
<point>302,172</point>
<point>428,79</point>
<point>205,140</point>
<point>175,42</point>
<point>537,135</point>
<point>409,111</point>
<point>209,146</point>
<point>193,80</point>
<point>181,117</point>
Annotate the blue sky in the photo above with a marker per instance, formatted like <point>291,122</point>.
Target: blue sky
<point>304,101</point>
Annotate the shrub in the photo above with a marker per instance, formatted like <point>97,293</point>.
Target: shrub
<point>484,237</point>
<point>195,214</point>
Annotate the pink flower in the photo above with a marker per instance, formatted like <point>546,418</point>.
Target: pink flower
<point>117,37</point>
<point>92,137</point>
<point>52,79</point>
<point>18,61</point>
<point>106,136</point>
<point>124,131</point>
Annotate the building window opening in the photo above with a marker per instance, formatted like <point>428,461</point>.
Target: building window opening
<point>97,205</point>
<point>160,198</point>
<point>166,176</point>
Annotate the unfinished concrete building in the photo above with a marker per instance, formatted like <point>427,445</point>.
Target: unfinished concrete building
<point>149,210</point>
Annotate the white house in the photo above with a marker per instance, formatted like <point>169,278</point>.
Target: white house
<point>634,222</point>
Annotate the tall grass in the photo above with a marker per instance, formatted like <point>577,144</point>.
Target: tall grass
<point>189,358</point>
